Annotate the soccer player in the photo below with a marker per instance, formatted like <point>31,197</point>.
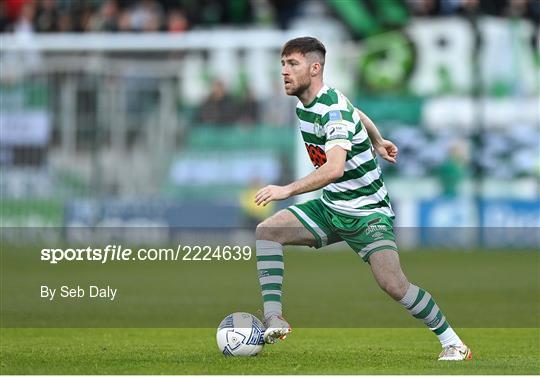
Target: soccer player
<point>354,207</point>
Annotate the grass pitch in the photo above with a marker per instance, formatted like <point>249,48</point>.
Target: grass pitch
<point>306,351</point>
<point>330,299</point>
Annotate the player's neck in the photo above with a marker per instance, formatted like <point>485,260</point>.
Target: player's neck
<point>310,93</point>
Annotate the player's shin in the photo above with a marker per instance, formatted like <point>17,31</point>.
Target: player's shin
<point>270,267</point>
<point>421,305</point>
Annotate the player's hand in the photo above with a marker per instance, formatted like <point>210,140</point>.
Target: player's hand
<point>387,150</point>
<point>271,193</point>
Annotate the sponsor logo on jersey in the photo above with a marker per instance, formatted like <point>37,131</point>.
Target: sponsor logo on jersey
<point>337,131</point>
<point>375,228</point>
<point>377,235</point>
<point>316,155</point>
<point>334,115</point>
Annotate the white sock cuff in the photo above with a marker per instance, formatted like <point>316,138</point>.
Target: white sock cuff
<point>449,338</point>
<point>410,295</point>
<point>265,247</point>
<point>272,308</point>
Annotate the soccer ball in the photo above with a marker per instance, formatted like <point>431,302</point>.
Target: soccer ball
<point>240,334</point>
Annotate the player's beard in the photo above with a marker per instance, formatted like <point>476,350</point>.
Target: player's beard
<point>301,87</point>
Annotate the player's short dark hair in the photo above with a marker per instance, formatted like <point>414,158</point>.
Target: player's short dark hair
<point>304,45</point>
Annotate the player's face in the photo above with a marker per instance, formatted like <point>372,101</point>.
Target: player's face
<point>295,72</point>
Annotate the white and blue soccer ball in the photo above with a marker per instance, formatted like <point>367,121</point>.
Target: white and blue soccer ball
<point>240,334</point>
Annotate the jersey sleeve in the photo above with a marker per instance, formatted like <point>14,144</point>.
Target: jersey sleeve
<point>339,130</point>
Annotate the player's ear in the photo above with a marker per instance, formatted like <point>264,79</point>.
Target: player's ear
<point>315,68</point>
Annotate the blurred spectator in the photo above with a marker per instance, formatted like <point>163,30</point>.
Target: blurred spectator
<point>47,16</point>
<point>65,22</point>
<point>124,21</point>
<point>279,110</point>
<point>248,108</point>
<point>13,9</point>
<point>177,21</point>
<point>153,24</point>
<point>492,7</point>
<point>180,15</point>
<point>211,12</point>
<point>25,22</point>
<point>286,11</point>
<point>204,12</point>
<point>219,108</point>
<point>4,21</point>
<point>239,12</point>
<point>19,62</point>
<point>423,8</point>
<point>146,15</point>
<point>83,20</point>
<point>523,9</point>
<point>451,7</point>
<point>469,8</point>
<point>263,12</point>
<point>252,214</point>
<point>107,17</point>
<point>452,171</point>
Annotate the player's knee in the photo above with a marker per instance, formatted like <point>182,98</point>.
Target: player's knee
<point>396,288</point>
<point>265,231</point>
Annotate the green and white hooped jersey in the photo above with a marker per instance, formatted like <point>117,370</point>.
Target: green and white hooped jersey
<point>329,121</point>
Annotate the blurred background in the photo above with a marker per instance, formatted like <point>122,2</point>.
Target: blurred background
<point>171,113</point>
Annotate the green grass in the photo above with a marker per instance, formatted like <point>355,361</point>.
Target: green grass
<point>306,351</point>
<point>474,290</point>
<point>343,323</point>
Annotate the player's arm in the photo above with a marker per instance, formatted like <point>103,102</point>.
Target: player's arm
<point>324,175</point>
<point>384,148</point>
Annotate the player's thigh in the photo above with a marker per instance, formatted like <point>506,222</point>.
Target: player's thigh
<point>285,228</point>
<point>372,238</point>
<point>386,269</point>
<point>317,219</point>
<point>366,235</point>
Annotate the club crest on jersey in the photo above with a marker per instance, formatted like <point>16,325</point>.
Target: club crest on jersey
<point>319,130</point>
